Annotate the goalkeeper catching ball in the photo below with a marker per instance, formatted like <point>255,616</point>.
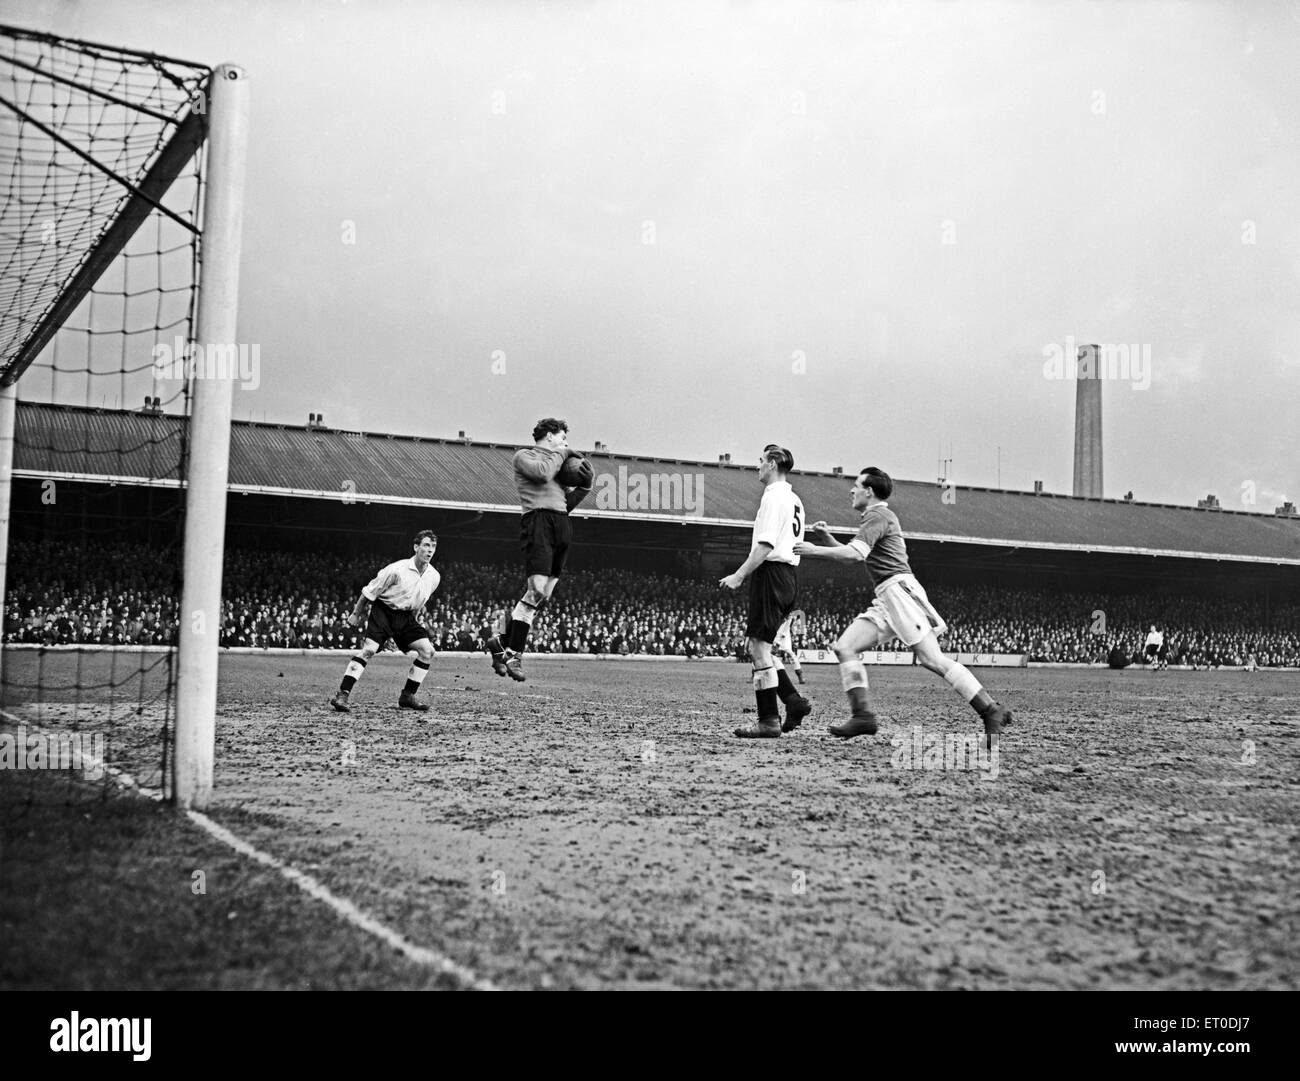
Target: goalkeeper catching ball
<point>545,532</point>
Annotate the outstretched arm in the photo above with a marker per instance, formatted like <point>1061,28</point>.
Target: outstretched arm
<point>840,553</point>
<point>823,532</point>
<point>830,548</point>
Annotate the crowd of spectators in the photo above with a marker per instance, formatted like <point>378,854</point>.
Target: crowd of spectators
<point>1090,628</point>
<point>122,594</point>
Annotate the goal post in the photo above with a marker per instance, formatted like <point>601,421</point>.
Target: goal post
<point>120,222</point>
<point>8,418</point>
<point>209,464</point>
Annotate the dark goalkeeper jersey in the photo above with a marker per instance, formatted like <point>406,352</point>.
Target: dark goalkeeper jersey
<point>535,469</point>
<point>880,539</point>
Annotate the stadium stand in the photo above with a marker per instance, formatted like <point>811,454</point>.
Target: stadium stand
<point>312,512</point>
<point>314,462</point>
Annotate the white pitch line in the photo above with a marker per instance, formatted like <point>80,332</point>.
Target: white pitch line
<point>421,955</point>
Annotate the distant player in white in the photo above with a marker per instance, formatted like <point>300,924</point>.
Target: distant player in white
<point>1155,639</point>
<point>772,572</point>
<point>900,609</point>
<point>395,599</point>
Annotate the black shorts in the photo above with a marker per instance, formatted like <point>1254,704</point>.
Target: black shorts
<point>773,594</point>
<point>1152,649</point>
<point>545,536</point>
<point>402,627</point>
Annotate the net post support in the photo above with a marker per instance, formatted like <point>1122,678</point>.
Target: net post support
<point>8,422</point>
<point>209,457</point>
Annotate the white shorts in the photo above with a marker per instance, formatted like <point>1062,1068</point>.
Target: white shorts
<point>782,641</point>
<point>902,609</point>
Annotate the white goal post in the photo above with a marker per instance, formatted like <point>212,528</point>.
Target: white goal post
<point>94,139</point>
<point>209,465</point>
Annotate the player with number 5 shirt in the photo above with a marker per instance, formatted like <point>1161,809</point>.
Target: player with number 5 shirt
<point>773,575</point>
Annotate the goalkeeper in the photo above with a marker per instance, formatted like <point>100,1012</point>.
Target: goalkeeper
<point>546,496</point>
<point>395,600</point>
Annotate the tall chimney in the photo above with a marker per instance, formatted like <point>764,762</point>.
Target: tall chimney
<point>1087,424</point>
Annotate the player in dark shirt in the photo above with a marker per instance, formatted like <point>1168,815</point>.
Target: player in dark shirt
<point>545,535</point>
<point>900,610</point>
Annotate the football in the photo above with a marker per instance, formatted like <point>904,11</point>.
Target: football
<point>576,472</point>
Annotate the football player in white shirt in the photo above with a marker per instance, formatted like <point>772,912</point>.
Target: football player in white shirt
<point>1155,639</point>
<point>772,571</point>
<point>395,599</point>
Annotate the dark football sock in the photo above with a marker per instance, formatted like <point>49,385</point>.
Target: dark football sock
<point>784,688</point>
<point>418,668</point>
<point>348,683</point>
<point>766,700</point>
<point>858,700</point>
<point>518,635</point>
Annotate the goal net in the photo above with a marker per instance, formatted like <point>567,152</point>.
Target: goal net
<point>103,259</point>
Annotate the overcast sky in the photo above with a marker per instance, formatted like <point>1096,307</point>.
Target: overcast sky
<point>698,227</point>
